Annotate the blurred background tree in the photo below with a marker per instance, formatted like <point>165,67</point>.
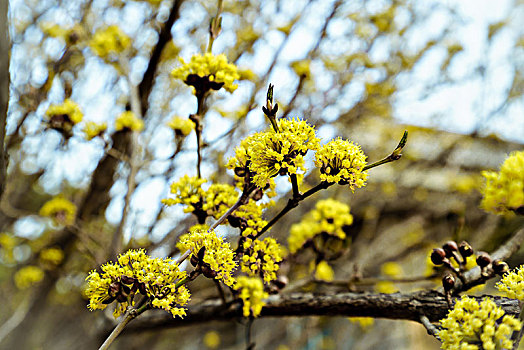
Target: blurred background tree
<point>451,73</point>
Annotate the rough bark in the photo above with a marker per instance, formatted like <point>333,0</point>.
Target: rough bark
<point>4,89</point>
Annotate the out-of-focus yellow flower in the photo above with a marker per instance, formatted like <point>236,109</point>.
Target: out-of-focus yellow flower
<point>262,258</point>
<point>28,276</point>
<point>329,217</point>
<point>70,35</point>
<point>252,294</point>
<point>211,251</point>
<point>301,68</point>
<point>470,324</point>
<point>324,272</point>
<point>109,41</point>
<point>212,340</point>
<point>60,210</point>
<point>504,190</point>
<point>364,322</point>
<point>136,272</point>
<point>207,72</point>
<point>52,256</point>
<point>128,121</point>
<point>386,287</point>
<point>93,129</point>
<point>391,269</point>
<point>181,126</point>
<point>341,161</point>
<point>62,117</point>
<point>513,284</point>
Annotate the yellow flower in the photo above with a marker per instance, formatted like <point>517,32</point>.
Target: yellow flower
<point>62,117</point>
<point>211,251</point>
<point>471,323</point>
<point>391,269</point>
<point>301,68</point>
<point>252,294</point>
<point>188,191</point>
<point>212,340</point>
<point>109,41</point>
<point>28,276</point>
<point>324,272</point>
<point>329,216</point>
<point>52,256</point>
<point>136,272</point>
<point>208,72</point>
<point>181,126</point>
<point>363,322</point>
<point>128,121</point>
<point>92,130</point>
<point>504,191</point>
<point>342,162</point>
<point>60,210</point>
<point>513,283</point>
<point>274,153</point>
<point>262,258</point>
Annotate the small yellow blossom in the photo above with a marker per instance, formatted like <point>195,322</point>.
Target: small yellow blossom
<point>93,129</point>
<point>212,340</point>
<point>212,251</point>
<point>363,322</point>
<point>274,153</point>
<point>391,269</point>
<point>470,324</point>
<point>386,287</point>
<point>62,117</point>
<point>128,121</point>
<point>252,294</point>
<point>136,272</point>
<point>262,258</point>
<point>52,256</point>
<point>301,68</point>
<point>513,283</point>
<point>329,216</point>
<point>215,69</point>
<point>60,210</point>
<point>324,272</point>
<point>109,41</point>
<point>28,276</point>
<point>181,126</point>
<point>504,191</point>
<point>188,191</point>
<point>341,161</point>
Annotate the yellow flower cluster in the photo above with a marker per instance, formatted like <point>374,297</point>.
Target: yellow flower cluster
<point>270,153</point>
<point>109,41</point>
<point>217,254</point>
<point>28,276</point>
<point>341,161</point>
<point>324,272</point>
<point>215,68</point>
<point>93,129</point>
<point>252,295</point>
<point>159,279</point>
<point>128,121</point>
<point>70,35</point>
<point>61,210</point>
<point>52,256</point>
<point>471,323</point>
<point>181,126</point>
<point>262,258</point>
<point>504,191</point>
<point>188,191</point>
<point>513,283</point>
<point>329,217</point>
<point>64,116</point>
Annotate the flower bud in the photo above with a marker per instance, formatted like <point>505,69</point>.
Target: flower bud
<point>450,247</point>
<point>127,280</point>
<point>500,267</point>
<point>208,272</point>
<point>193,260</point>
<point>483,259</point>
<point>437,256</point>
<point>448,282</point>
<point>465,249</point>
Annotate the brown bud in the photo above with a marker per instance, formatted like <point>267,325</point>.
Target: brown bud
<point>193,260</point>
<point>259,193</point>
<point>483,259</point>
<point>465,249</point>
<point>208,272</point>
<point>500,267</point>
<point>437,256</point>
<point>448,282</point>
<point>201,253</point>
<point>114,289</point>
<point>450,247</point>
<point>281,282</point>
<point>240,171</point>
<point>127,279</point>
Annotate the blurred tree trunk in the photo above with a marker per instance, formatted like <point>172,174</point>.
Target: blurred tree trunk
<point>4,88</point>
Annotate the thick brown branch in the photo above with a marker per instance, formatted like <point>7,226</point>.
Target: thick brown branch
<point>409,306</point>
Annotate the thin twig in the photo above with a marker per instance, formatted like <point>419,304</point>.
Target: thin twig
<point>430,327</point>
<point>128,317</point>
